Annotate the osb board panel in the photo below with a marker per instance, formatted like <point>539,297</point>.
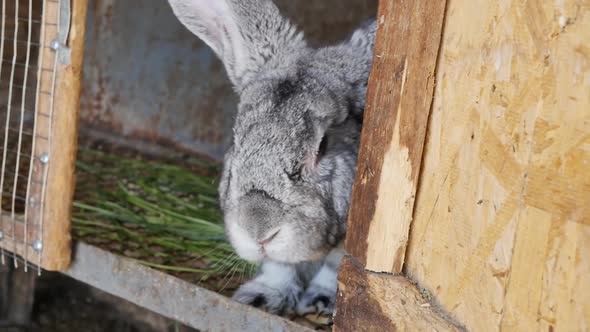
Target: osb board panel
<point>501,230</point>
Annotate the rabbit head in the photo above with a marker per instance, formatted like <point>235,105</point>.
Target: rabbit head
<point>288,174</point>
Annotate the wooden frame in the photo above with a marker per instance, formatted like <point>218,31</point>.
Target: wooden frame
<point>369,301</point>
<point>398,103</point>
<point>399,98</point>
<point>51,182</point>
<point>60,187</point>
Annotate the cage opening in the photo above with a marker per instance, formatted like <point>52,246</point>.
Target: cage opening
<point>20,52</point>
<point>161,107</point>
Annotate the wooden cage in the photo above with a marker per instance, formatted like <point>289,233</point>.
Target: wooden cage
<point>142,90</point>
<point>471,204</point>
<point>473,181</point>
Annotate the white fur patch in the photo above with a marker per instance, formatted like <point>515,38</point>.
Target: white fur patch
<point>326,278</point>
<point>278,286</point>
<point>281,247</point>
<point>245,245</point>
<point>275,275</point>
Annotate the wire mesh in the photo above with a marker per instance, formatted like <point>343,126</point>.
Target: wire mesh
<point>23,171</point>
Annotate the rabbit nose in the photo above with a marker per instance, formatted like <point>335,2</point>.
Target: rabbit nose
<point>265,241</point>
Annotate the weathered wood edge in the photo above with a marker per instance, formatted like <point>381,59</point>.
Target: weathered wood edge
<point>169,296</point>
<point>370,301</point>
<point>61,179</point>
<point>399,99</point>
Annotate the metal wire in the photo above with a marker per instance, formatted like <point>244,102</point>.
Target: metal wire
<point>23,132</point>
<point>18,41</point>
<point>22,119</point>
<point>2,33</point>
<point>17,152</point>
<point>15,175</point>
<point>3,28</point>
<point>14,57</point>
<point>20,259</point>
<point>12,190</point>
<point>23,87</point>
<point>18,64</point>
<point>14,155</point>
<point>19,198</point>
<point>29,19</point>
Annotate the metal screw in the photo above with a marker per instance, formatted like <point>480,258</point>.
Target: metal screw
<point>54,44</point>
<point>44,158</point>
<point>32,201</point>
<point>37,245</point>
<point>1,235</point>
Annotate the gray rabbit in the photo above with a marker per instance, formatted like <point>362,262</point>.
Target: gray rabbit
<point>287,177</point>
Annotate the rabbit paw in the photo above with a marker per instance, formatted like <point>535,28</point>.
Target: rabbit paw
<point>317,299</point>
<point>276,289</point>
<point>320,295</point>
<point>273,300</point>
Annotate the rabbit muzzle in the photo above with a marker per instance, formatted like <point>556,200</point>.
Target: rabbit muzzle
<point>263,228</point>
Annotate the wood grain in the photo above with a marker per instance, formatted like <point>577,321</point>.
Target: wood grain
<point>398,102</point>
<point>56,254</point>
<point>501,230</point>
<point>523,293</point>
<point>371,301</point>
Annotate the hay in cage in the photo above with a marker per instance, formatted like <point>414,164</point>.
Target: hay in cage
<point>158,213</point>
<point>162,213</point>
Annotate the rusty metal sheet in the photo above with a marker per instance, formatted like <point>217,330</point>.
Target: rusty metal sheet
<point>147,77</point>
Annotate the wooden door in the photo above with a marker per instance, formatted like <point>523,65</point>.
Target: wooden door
<point>471,204</point>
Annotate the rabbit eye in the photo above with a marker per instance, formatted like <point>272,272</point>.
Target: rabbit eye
<point>322,148</point>
<point>295,175</point>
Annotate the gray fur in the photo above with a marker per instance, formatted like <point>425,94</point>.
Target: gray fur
<point>275,186</point>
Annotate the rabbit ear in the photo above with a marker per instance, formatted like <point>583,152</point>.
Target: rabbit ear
<point>246,35</point>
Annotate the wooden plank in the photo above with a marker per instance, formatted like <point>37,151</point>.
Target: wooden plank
<point>369,301</point>
<point>60,178</point>
<point>169,296</point>
<point>501,225</point>
<point>16,227</point>
<point>16,246</point>
<point>398,102</point>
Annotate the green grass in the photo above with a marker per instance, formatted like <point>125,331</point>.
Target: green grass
<point>161,215</point>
